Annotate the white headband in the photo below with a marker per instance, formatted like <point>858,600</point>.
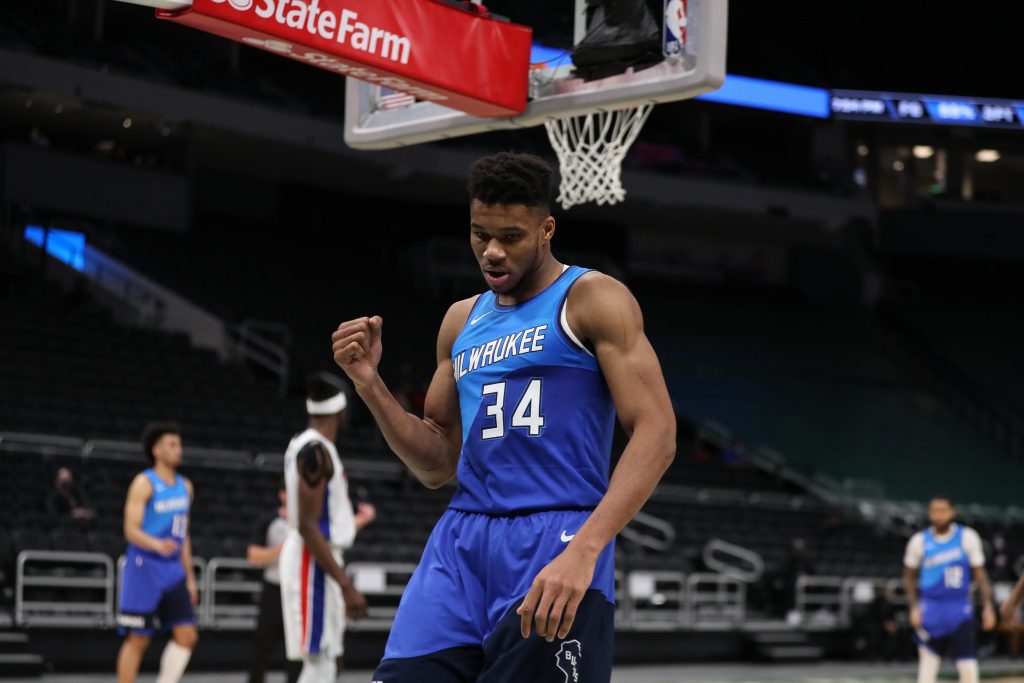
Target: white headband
<point>328,406</point>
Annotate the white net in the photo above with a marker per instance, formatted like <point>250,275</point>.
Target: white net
<point>590,151</point>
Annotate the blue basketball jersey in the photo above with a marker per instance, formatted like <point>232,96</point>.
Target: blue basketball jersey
<point>167,511</point>
<point>537,416</point>
<point>945,568</point>
<point>945,584</point>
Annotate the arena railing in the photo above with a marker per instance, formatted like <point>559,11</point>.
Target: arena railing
<point>820,600</point>
<point>733,560</point>
<point>640,528</point>
<point>222,581</point>
<point>59,571</point>
<point>715,600</point>
<point>383,584</point>
<point>646,599</point>
<point>654,599</point>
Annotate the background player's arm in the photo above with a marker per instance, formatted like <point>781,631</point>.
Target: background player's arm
<point>988,614</point>
<point>976,558</point>
<point>186,552</point>
<point>315,470</point>
<point>139,493</point>
<point>606,315</point>
<point>1008,612</point>
<point>429,446</point>
<point>912,577</point>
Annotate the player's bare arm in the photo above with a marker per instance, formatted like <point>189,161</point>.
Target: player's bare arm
<point>429,446</point>
<point>605,315</point>
<point>911,577</point>
<point>1008,611</point>
<point>315,470</point>
<point>988,613</point>
<point>186,551</point>
<point>139,493</point>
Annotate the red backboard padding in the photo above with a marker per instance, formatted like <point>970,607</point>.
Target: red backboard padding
<point>437,52</point>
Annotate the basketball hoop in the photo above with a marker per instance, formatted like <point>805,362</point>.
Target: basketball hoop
<point>590,150</point>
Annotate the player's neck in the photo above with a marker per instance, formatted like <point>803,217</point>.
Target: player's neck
<point>328,430</point>
<point>945,531</point>
<point>165,472</point>
<point>541,279</point>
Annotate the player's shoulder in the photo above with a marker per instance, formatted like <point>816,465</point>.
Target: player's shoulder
<point>141,483</point>
<point>601,307</point>
<point>916,539</point>
<point>595,287</point>
<point>455,320</point>
<point>970,532</point>
<point>459,311</point>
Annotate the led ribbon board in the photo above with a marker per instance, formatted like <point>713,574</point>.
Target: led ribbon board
<point>934,109</point>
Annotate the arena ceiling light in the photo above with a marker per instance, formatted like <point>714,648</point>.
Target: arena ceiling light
<point>923,151</point>
<point>987,156</point>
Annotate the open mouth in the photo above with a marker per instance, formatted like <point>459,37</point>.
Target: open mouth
<point>495,277</point>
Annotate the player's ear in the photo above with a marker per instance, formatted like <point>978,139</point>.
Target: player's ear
<point>547,228</point>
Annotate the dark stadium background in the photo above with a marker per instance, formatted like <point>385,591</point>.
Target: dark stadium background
<point>839,316</point>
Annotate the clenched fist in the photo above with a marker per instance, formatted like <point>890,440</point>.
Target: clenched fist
<point>357,348</point>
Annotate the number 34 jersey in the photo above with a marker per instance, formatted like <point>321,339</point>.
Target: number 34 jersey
<point>537,416</point>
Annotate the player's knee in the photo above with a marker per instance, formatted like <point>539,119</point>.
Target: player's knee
<point>186,637</point>
<point>137,641</point>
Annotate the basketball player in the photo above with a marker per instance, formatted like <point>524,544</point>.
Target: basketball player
<point>320,525</point>
<point>939,566</point>
<point>517,580</point>
<point>158,589</point>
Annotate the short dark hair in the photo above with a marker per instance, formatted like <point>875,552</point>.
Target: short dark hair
<point>942,496</point>
<point>321,386</point>
<point>153,432</point>
<point>511,178</point>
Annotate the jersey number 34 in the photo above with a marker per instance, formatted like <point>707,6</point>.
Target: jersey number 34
<point>527,414</point>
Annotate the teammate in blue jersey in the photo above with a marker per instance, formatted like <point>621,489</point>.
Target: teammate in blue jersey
<point>517,580</point>
<point>158,588</point>
<point>939,566</point>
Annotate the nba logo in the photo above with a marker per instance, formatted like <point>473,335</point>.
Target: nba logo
<point>674,39</point>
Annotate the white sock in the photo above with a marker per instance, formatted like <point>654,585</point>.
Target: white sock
<point>173,662</point>
<point>318,669</point>
<point>928,666</point>
<point>968,669</point>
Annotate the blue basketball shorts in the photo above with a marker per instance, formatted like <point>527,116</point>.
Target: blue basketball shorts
<point>456,622</point>
<point>154,595</point>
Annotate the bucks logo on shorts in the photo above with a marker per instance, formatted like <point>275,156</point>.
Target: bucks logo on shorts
<point>568,660</point>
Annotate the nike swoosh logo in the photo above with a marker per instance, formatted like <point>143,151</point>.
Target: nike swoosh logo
<point>477,319</point>
<point>567,537</point>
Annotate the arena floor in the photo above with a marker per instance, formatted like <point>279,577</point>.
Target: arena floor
<point>1001,671</point>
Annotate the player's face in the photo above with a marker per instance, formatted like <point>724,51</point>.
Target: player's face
<point>167,450</point>
<point>941,513</point>
<point>509,242</point>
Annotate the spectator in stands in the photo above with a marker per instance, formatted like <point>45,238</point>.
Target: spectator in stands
<point>66,500</point>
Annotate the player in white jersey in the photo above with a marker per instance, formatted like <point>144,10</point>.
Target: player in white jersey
<point>316,593</point>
